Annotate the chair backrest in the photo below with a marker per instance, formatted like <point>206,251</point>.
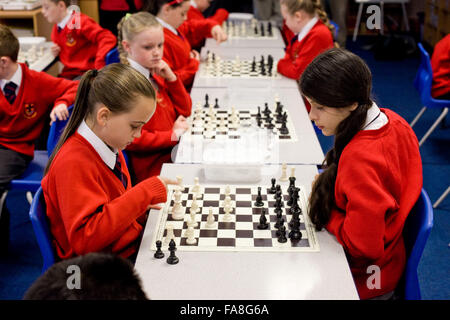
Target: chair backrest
<point>336,29</point>
<point>112,56</point>
<point>424,76</point>
<point>56,129</point>
<point>39,220</point>
<point>415,233</point>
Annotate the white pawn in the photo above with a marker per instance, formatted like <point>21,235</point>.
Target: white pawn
<point>169,235</point>
<point>292,172</point>
<point>227,216</point>
<point>177,212</point>
<point>180,182</point>
<point>210,220</point>
<point>284,176</point>
<point>190,236</point>
<point>227,201</point>
<point>194,204</point>
<point>196,187</point>
<point>227,191</point>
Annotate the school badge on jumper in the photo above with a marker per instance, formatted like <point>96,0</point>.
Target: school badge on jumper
<point>29,111</point>
<point>70,41</point>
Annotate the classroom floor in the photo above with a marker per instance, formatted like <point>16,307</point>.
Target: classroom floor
<point>392,88</point>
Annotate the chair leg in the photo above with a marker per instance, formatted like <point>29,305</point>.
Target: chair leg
<point>358,21</point>
<point>435,124</point>
<point>441,198</point>
<point>2,201</point>
<point>29,196</point>
<point>418,116</point>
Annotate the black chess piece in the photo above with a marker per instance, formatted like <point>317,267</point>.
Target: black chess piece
<point>259,202</point>
<point>279,222</point>
<point>273,189</point>
<point>266,110</point>
<point>262,30</point>
<point>158,254</point>
<point>206,101</point>
<point>282,237</point>
<point>172,259</point>
<point>263,220</point>
<point>283,128</point>
<point>269,29</point>
<point>217,104</point>
<point>295,234</point>
<point>258,115</point>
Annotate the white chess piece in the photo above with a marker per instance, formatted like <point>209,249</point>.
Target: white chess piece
<point>292,172</point>
<point>177,212</point>
<point>227,191</point>
<point>190,236</point>
<point>227,216</point>
<point>192,222</point>
<point>227,201</point>
<point>169,235</point>
<point>180,182</point>
<point>210,220</point>
<point>196,187</point>
<point>284,176</point>
<point>194,204</point>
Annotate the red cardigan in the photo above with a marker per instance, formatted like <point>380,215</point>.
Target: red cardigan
<point>195,39</point>
<point>440,64</point>
<point>378,182</point>
<point>87,205</point>
<point>84,48</point>
<point>177,49</point>
<point>287,33</point>
<point>301,53</point>
<point>119,5</point>
<point>154,146</point>
<point>22,123</point>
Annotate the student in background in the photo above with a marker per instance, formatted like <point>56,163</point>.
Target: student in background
<point>91,205</point>
<point>111,11</point>
<point>27,100</point>
<point>141,45</point>
<point>195,13</point>
<point>80,43</point>
<point>101,277</point>
<point>440,64</point>
<point>309,22</point>
<point>177,51</point>
<point>373,173</point>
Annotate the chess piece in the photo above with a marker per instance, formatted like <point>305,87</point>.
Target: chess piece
<point>190,236</point>
<point>210,220</point>
<point>216,105</point>
<point>206,105</point>
<point>273,189</point>
<point>259,202</point>
<point>169,234</point>
<point>283,128</point>
<point>227,191</point>
<point>158,254</point>
<point>196,187</point>
<point>282,237</point>
<point>283,172</point>
<point>227,216</point>
<point>227,201</point>
<point>263,220</point>
<point>192,222</point>
<point>172,259</point>
<point>177,209</point>
<point>180,182</point>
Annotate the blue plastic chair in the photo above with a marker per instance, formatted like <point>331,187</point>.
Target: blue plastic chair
<point>415,233</point>
<point>336,29</point>
<point>422,83</point>
<point>112,56</point>
<point>55,132</point>
<point>38,217</point>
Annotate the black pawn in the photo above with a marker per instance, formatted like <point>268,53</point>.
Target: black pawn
<point>263,220</point>
<point>158,254</point>
<point>172,259</point>
<point>273,189</point>
<point>279,223</point>
<point>206,101</point>
<point>282,234</point>
<point>283,128</point>
<point>217,104</point>
<point>259,202</point>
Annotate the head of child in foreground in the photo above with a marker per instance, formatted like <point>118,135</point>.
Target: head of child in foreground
<point>141,38</point>
<point>115,102</point>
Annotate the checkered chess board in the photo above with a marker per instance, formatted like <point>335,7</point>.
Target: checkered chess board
<point>241,233</point>
<point>238,69</point>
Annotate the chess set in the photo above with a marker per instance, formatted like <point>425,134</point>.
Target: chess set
<point>211,122</point>
<point>215,67</point>
<point>19,4</point>
<point>235,218</point>
<point>251,29</point>
<point>34,49</point>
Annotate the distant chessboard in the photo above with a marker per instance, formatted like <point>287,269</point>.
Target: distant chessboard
<point>238,69</point>
<point>241,233</point>
<point>222,125</point>
<point>250,30</point>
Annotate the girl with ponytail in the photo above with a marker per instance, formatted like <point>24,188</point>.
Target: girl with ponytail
<point>313,35</point>
<point>141,45</point>
<point>373,173</point>
<point>91,205</point>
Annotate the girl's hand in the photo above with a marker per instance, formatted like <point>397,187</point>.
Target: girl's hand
<point>59,112</point>
<point>180,126</point>
<point>195,55</point>
<point>55,49</point>
<point>218,34</point>
<point>163,69</point>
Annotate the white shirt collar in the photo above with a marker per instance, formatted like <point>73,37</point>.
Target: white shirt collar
<point>166,25</point>
<point>139,68</point>
<point>194,4</point>
<point>16,78</point>
<point>375,119</point>
<point>64,21</point>
<point>307,28</point>
<point>108,156</point>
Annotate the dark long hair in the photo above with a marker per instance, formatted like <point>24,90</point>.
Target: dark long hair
<point>154,6</point>
<point>336,78</point>
<point>116,86</point>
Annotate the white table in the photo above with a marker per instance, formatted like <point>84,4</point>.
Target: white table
<point>45,60</point>
<point>245,275</point>
<point>228,53</point>
<point>239,42</point>
<point>305,150</point>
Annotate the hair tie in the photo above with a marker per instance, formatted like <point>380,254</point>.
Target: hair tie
<point>128,15</point>
<point>94,72</point>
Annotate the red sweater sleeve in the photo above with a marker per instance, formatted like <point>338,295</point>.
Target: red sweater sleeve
<point>104,39</point>
<point>63,90</point>
<point>180,98</point>
<point>361,228</point>
<point>220,16</point>
<point>197,28</point>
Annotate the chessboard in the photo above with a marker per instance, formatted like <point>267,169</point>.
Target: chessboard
<point>249,29</point>
<point>212,123</point>
<point>215,67</point>
<point>229,218</point>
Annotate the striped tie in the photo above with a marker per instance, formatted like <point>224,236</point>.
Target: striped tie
<point>10,91</point>
<point>118,172</point>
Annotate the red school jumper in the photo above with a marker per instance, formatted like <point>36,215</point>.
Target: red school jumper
<point>21,123</point>
<point>219,16</point>
<point>154,146</point>
<point>300,53</point>
<point>440,64</point>
<point>177,49</point>
<point>82,48</point>
<point>87,205</point>
<point>378,182</point>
